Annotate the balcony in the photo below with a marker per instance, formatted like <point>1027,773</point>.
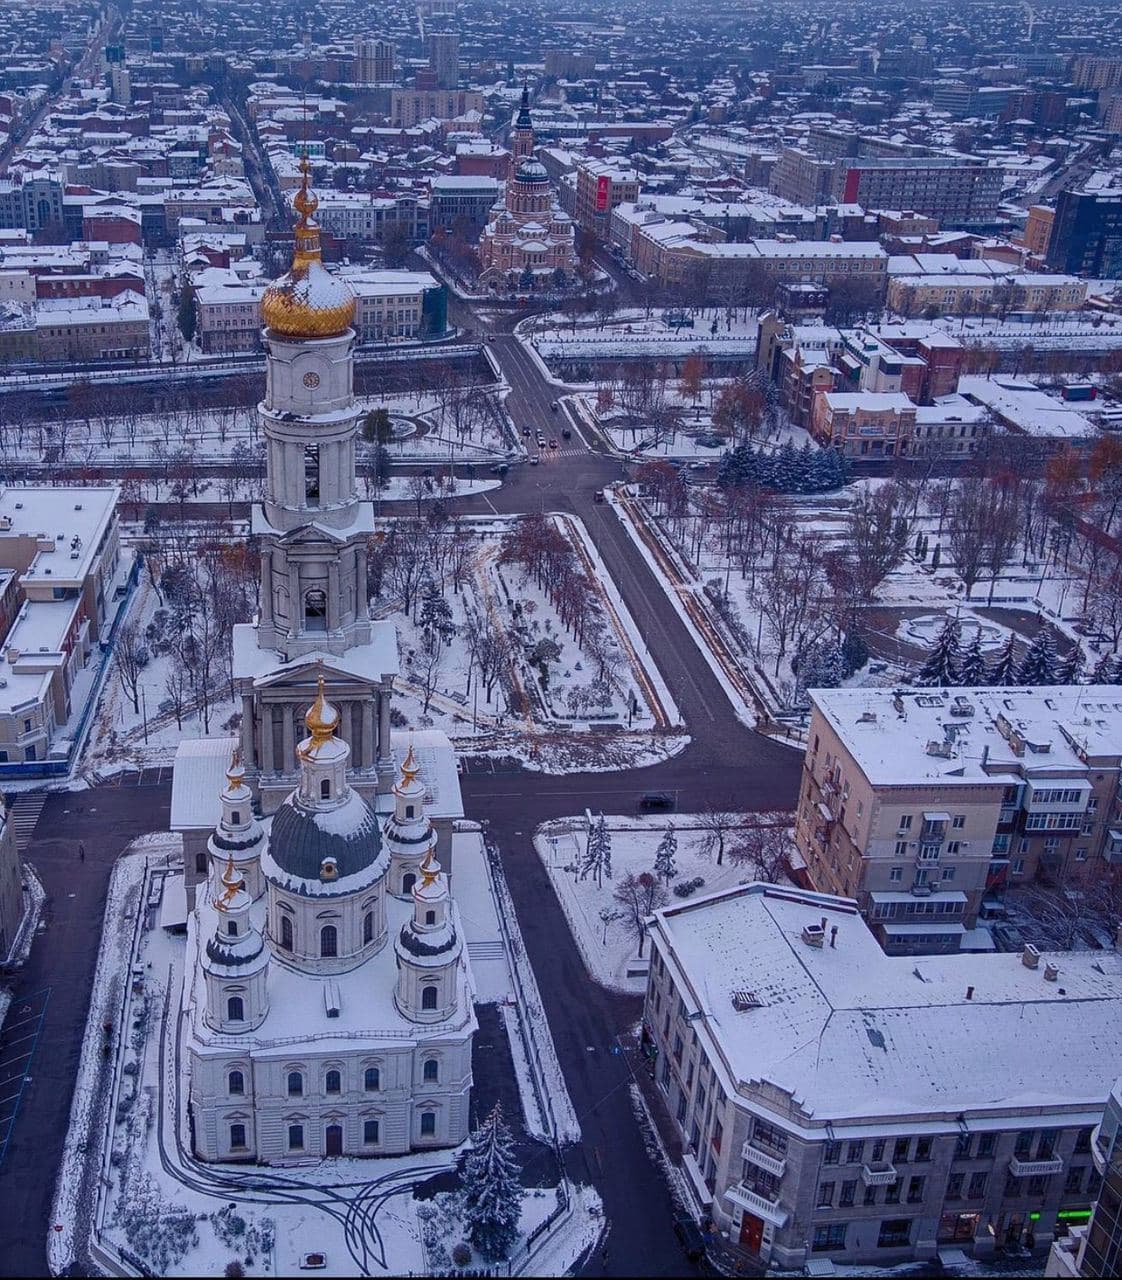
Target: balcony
<point>1099,1152</point>
<point>762,1159</point>
<point>881,1174</point>
<point>1035,1168</point>
<point>770,1210</point>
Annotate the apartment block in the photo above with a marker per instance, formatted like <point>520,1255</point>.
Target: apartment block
<point>1086,236</point>
<point>603,185</point>
<point>958,192</point>
<point>837,1105</point>
<point>916,802</point>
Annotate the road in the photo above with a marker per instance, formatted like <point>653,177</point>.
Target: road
<point>62,961</point>
<point>725,763</point>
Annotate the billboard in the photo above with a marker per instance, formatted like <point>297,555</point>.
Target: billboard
<point>603,194</point>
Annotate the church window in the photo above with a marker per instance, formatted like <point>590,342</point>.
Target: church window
<point>329,940</point>
<point>232,928</point>
<point>311,474</point>
<point>370,1131</point>
<point>235,818</point>
<point>428,1001</point>
<point>432,1068</point>
<point>295,1137</point>
<point>295,1084</point>
<point>333,1082</point>
<point>407,882</point>
<point>430,917</point>
<point>368,928</point>
<point>315,610</point>
<point>237,1137</point>
<point>200,863</point>
<point>286,933</point>
<point>371,1080</point>
<point>325,789</point>
<point>409,810</point>
<point>236,1082</point>
<point>235,1009</point>
<point>428,1124</point>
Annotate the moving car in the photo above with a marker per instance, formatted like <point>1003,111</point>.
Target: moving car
<point>554,405</point>
<point>598,496</point>
<point>566,433</point>
<point>661,800</point>
<point>500,469</point>
<point>553,444</point>
<point>534,460</point>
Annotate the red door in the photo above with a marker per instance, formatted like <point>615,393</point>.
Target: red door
<point>751,1232</point>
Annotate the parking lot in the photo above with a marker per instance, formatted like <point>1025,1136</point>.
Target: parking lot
<point>17,1055</point>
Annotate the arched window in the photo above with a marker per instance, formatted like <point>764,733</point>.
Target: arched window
<point>428,1124</point>
<point>315,610</point>
<point>236,818</point>
<point>325,789</point>
<point>430,917</point>
<point>286,933</point>
<point>232,928</point>
<point>368,928</point>
<point>333,1082</point>
<point>295,1084</point>
<point>237,1137</point>
<point>372,1080</point>
<point>235,1082</point>
<point>200,863</point>
<point>235,1009</point>
<point>407,882</point>
<point>428,997</point>
<point>431,1071</point>
<point>408,810</point>
<point>329,940</point>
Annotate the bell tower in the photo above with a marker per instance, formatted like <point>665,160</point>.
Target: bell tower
<point>522,139</point>
<point>313,532</point>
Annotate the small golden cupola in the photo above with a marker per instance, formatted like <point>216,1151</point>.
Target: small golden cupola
<point>307,302</point>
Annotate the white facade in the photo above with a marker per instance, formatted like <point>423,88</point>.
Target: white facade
<point>307,1033</point>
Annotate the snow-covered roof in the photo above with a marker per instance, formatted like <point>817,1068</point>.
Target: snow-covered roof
<point>70,520</point>
<point>1023,405</point>
<point>197,781</point>
<point>854,1034</point>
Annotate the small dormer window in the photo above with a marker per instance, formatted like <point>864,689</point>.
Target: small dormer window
<point>232,928</point>
<point>328,869</point>
<point>409,810</point>
<point>430,917</point>
<point>325,789</point>
<point>235,818</point>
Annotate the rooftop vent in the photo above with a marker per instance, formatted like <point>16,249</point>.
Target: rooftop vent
<point>1051,973</point>
<point>1030,956</point>
<point>19,506</point>
<point>742,1000</point>
<point>77,506</point>
<point>961,707</point>
<point>945,750</point>
<point>867,717</point>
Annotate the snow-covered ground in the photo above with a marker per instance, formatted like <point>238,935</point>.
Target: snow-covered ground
<point>609,948</point>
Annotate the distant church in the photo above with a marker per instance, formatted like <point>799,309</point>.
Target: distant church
<point>327,1002</point>
<point>528,231</point>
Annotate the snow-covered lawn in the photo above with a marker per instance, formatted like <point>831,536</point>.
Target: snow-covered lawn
<point>610,949</point>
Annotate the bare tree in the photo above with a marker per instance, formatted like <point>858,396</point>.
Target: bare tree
<point>877,534</point>
<point>639,895</point>
<point>718,825</point>
<point>176,686</point>
<point>765,851</point>
<point>968,533</point>
<point>130,657</point>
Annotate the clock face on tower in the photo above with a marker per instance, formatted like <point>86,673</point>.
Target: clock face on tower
<point>311,381</point>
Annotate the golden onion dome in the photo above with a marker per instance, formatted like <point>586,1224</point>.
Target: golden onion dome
<point>321,719</point>
<point>308,301</point>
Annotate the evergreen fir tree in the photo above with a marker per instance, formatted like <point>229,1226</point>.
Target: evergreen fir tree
<point>597,859</point>
<point>492,1203</point>
<point>1038,666</point>
<point>972,668</point>
<point>1070,669</point>
<point>941,667</point>
<point>664,866</point>
<point>1106,670</point>
<point>1003,673</point>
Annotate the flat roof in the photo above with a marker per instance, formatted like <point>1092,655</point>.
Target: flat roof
<point>853,1033</point>
<point>59,515</point>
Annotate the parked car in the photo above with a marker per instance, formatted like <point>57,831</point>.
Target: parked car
<point>553,444</point>
<point>534,460</point>
<point>656,800</point>
<point>598,496</point>
<point>1008,937</point>
<point>698,466</point>
<point>499,469</point>
<point>525,431</point>
<point>689,1237</point>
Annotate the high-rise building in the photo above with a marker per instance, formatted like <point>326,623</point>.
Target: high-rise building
<point>375,60</point>
<point>443,48</point>
<point>1093,1249</point>
<point>1086,236</point>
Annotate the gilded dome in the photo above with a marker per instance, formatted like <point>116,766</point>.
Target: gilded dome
<point>308,301</point>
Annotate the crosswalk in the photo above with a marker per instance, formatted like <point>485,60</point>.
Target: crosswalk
<point>549,455</point>
<point>24,814</point>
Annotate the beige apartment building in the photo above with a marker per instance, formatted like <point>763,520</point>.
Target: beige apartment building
<point>1023,291</point>
<point>864,424</point>
<point>916,802</point>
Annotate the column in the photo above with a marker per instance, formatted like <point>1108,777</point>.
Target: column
<point>267,585</point>
<point>369,754</point>
<point>289,762</point>
<point>348,726</point>
<point>268,764</point>
<point>385,754</point>
<point>249,755</point>
<point>333,596</point>
<point>362,596</point>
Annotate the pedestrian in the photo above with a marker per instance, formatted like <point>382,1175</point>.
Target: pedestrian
<point>81,852</point>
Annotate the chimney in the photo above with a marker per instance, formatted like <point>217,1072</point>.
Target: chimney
<point>970,993</point>
<point>1030,957</point>
<point>1051,973</point>
<point>834,936</point>
<point>823,924</point>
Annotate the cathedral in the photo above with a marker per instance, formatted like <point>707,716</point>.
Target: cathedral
<point>528,231</point>
<point>327,1000</point>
